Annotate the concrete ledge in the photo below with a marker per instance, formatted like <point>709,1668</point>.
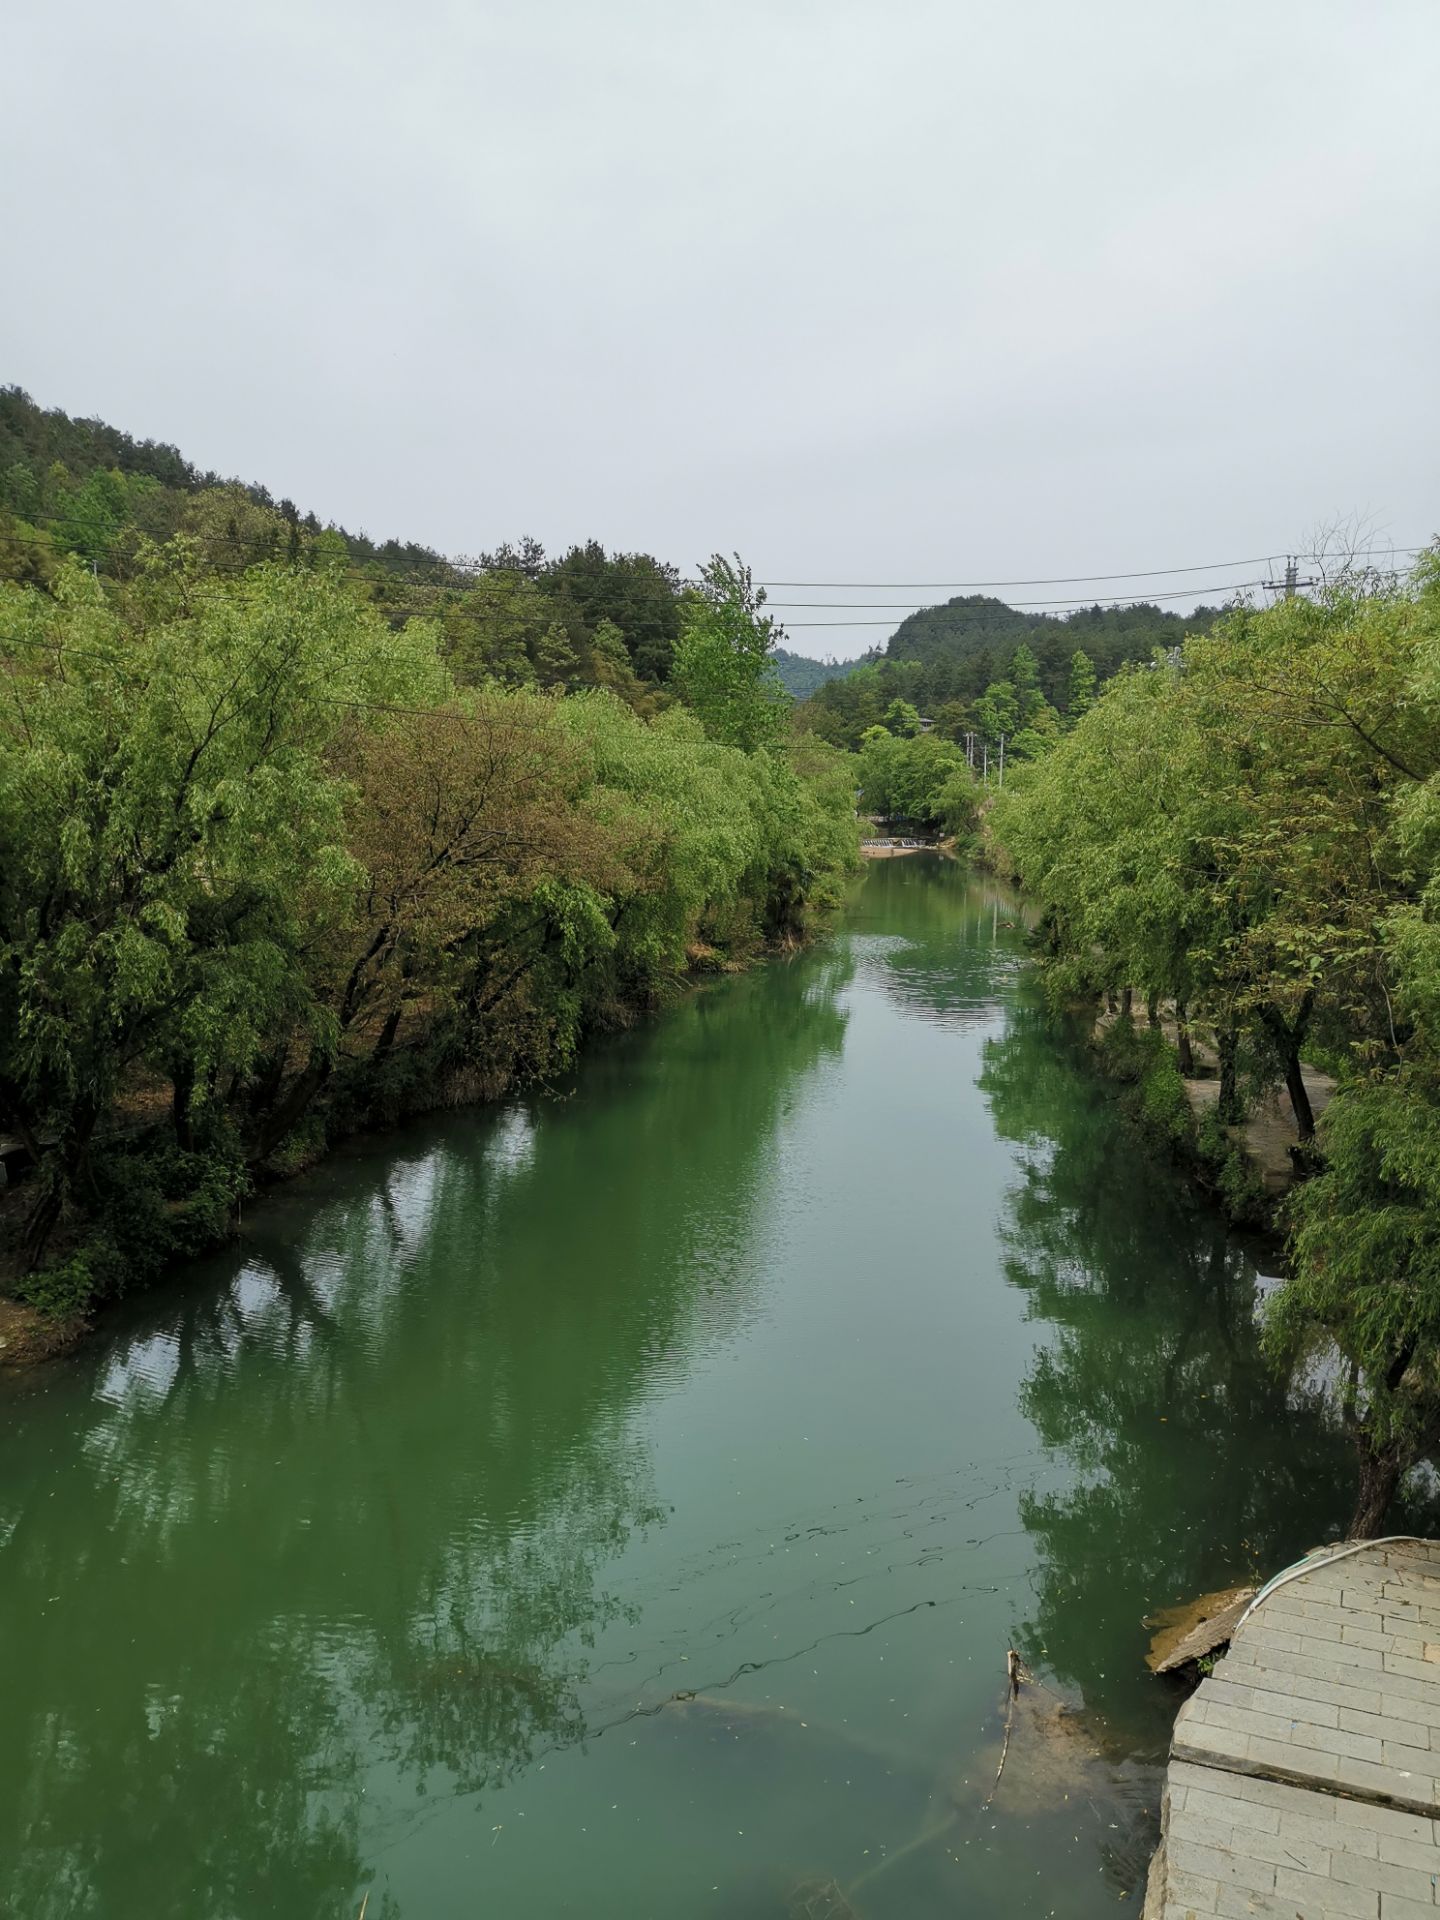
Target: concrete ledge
<point>1303,1781</point>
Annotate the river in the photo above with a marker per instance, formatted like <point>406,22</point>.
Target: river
<point>621,1503</point>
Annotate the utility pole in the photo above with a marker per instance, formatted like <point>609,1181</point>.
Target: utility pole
<point>985,763</point>
<point>1292,581</point>
<point>1002,760</point>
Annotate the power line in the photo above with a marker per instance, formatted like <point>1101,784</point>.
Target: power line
<point>1063,579</point>
<point>444,574</point>
<point>1019,606</point>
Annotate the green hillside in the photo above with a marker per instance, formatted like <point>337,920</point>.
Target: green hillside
<point>802,676</point>
<point>943,660</point>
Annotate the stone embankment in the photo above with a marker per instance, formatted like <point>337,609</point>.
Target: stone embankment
<point>1304,1779</point>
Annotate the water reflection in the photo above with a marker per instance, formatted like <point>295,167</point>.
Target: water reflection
<point>623,1503</point>
<point>278,1544</point>
<point>958,952</point>
<point>1195,1464</point>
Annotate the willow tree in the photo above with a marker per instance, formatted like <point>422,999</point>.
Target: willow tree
<point>171,834</point>
<point>1365,1268</point>
<point>1323,735</point>
<point>1113,832</point>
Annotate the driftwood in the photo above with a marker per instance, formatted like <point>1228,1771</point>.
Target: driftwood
<point>1014,1673</point>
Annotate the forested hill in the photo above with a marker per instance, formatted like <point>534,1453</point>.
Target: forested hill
<point>969,641</point>
<point>944,661</point>
<point>82,488</point>
<point>800,675</point>
<point>93,478</point>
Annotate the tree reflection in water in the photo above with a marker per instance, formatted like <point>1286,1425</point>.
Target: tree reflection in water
<point>330,1533</point>
<point>1196,1464</point>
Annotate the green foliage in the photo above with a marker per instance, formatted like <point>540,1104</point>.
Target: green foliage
<point>69,1288</point>
<point>640,596</point>
<point>958,804</point>
<point>1081,694</point>
<point>1025,679</point>
<point>259,847</point>
<point>1142,1058</point>
<point>1232,1173</point>
<point>924,780</point>
<point>998,711</point>
<point>946,661</point>
<point>902,719</point>
<point>801,676</point>
<point>722,665</point>
<point>1251,832</point>
<point>149,1204</point>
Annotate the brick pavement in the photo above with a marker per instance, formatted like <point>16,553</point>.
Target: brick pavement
<point>1303,1781</point>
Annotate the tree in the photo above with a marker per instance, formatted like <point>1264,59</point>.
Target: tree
<point>556,660</point>
<point>903,719</point>
<point>1365,1270</point>
<point>494,630</point>
<point>20,491</point>
<point>924,780</point>
<point>233,531</point>
<point>999,711</point>
<point>1252,831</point>
<point>722,664</point>
<point>90,519</point>
<point>1025,678</point>
<point>1081,696</point>
<point>639,594</point>
<point>171,834</point>
<point>611,666</point>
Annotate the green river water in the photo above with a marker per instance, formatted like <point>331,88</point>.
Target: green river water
<point>621,1503</point>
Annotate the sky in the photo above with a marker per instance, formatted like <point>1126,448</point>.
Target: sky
<point>901,292</point>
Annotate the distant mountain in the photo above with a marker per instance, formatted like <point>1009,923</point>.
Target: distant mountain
<point>801,675</point>
<point>941,660</point>
<point>970,640</point>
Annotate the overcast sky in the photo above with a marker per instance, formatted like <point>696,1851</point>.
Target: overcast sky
<point>902,292</point>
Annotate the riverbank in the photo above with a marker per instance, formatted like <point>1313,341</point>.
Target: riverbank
<point>1248,1166</point>
<point>802,1350</point>
<point>893,849</point>
<point>30,1334</point>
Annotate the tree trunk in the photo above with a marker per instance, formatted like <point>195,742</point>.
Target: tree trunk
<point>1127,1003</point>
<point>1288,1038</point>
<point>1152,1009</point>
<point>13,1113</point>
<point>1183,1050</point>
<point>40,1223</point>
<point>1227,1045</point>
<point>387,1035</point>
<point>182,1086</point>
<point>265,1090</point>
<point>291,1109</point>
<point>1299,1096</point>
<point>1380,1471</point>
<point>58,1180</point>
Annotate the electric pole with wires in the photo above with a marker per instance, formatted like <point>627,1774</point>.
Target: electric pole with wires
<point>1292,582</point>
